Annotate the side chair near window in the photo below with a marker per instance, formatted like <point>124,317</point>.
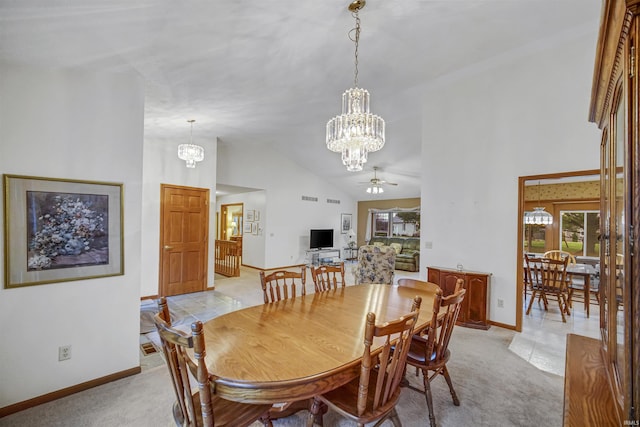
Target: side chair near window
<point>560,255</point>
<point>281,285</point>
<point>576,282</point>
<point>326,277</point>
<point>430,352</point>
<point>201,407</point>
<point>549,277</point>
<point>373,396</point>
<point>376,264</point>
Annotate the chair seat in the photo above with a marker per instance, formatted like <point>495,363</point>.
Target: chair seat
<point>416,356</point>
<point>342,400</point>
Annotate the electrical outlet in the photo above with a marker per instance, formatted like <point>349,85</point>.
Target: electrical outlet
<point>500,303</point>
<point>64,353</point>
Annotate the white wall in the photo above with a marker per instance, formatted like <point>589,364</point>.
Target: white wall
<point>161,165</point>
<point>288,218</point>
<point>85,126</point>
<point>526,115</point>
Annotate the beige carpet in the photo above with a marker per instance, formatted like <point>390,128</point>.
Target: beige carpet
<point>495,387</point>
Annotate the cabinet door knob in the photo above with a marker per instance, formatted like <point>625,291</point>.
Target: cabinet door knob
<point>167,247</point>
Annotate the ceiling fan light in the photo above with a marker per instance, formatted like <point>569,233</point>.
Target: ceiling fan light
<point>375,189</point>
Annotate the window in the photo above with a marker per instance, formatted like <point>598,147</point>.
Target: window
<point>579,232</point>
<point>381,224</point>
<point>396,224</point>
<point>535,240</point>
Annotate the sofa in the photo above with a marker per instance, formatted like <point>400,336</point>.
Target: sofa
<point>407,251</point>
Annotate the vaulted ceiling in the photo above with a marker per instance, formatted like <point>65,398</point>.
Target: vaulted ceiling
<point>273,72</point>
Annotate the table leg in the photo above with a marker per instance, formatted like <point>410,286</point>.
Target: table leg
<point>587,293</point>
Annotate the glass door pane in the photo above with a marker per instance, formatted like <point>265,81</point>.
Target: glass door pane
<point>616,301</point>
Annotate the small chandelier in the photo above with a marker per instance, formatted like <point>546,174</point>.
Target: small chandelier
<point>538,216</point>
<point>355,132</point>
<point>375,189</point>
<point>191,153</point>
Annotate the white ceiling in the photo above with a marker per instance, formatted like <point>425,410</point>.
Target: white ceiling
<point>273,72</point>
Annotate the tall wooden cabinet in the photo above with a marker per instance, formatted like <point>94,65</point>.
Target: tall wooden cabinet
<point>473,312</point>
<point>614,108</point>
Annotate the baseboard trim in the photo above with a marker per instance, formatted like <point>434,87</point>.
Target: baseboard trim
<point>149,297</point>
<point>54,395</point>
<point>502,325</point>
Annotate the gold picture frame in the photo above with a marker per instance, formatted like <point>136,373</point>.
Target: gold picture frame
<point>58,230</point>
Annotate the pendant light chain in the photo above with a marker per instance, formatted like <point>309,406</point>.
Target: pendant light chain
<point>356,40</point>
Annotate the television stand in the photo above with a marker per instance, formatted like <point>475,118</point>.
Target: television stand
<point>319,256</point>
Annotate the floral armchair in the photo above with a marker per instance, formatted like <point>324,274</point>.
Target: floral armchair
<point>376,264</point>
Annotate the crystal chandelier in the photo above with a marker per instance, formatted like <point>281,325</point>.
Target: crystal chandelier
<point>356,131</point>
<point>375,189</point>
<point>538,216</point>
<point>191,153</point>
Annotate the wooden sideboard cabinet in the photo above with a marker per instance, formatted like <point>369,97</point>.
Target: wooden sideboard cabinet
<point>473,312</point>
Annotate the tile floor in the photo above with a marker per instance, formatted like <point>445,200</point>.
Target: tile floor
<point>541,343</point>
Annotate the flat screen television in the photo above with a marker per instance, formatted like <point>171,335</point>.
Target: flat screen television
<point>319,239</point>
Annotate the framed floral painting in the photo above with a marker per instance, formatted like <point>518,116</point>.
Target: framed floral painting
<point>58,230</point>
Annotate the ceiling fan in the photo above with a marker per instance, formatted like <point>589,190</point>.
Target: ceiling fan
<point>375,183</point>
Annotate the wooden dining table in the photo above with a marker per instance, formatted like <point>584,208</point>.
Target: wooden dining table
<point>301,347</point>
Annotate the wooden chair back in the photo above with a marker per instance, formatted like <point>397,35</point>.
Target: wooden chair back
<point>435,342</point>
<point>551,278</point>
<point>530,279</point>
<point>281,285</point>
<point>560,255</point>
<point>189,409</point>
<point>326,277</point>
<point>386,382</point>
<point>197,408</point>
<point>551,274</point>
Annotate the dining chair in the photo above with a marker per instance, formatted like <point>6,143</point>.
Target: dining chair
<point>529,279</point>
<point>326,277</point>
<point>201,407</point>
<point>430,352</point>
<point>558,254</point>
<point>552,276</point>
<point>376,264</point>
<point>372,397</point>
<point>281,285</point>
<point>571,260</point>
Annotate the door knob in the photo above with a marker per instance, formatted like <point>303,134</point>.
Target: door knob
<point>167,247</point>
